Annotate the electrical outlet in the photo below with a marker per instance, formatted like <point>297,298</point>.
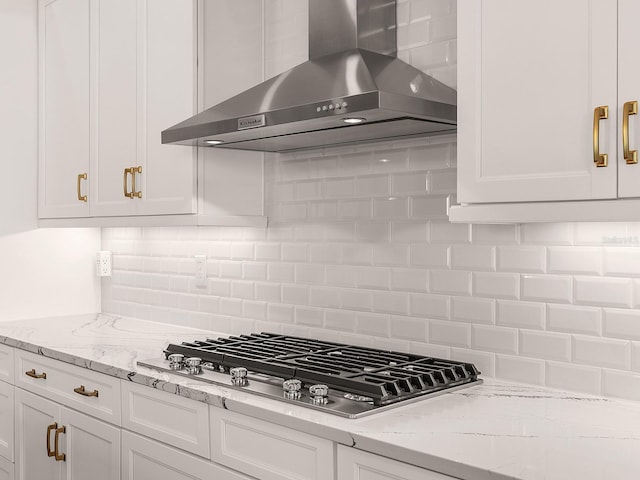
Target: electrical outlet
<point>201,271</point>
<point>103,264</point>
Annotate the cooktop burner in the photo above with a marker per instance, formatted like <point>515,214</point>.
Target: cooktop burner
<point>343,379</point>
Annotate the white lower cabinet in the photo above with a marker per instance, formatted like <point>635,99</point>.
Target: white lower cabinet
<point>6,421</point>
<point>54,442</point>
<point>145,459</point>
<point>6,469</point>
<point>268,451</point>
<point>358,465</point>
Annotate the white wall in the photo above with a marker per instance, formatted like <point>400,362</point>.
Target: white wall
<point>42,272</point>
<point>359,249</point>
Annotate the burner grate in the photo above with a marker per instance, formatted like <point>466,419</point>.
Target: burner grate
<point>385,376</point>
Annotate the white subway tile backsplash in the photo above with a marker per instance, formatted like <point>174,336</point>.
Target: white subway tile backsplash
<point>521,259</point>
<point>496,285</point>
<point>574,319</point>
<point>575,260</point>
<point>450,333</point>
<point>467,257</point>
<point>520,369</point>
<point>611,292</point>
<point>619,323</point>
<point>574,377</point>
<point>602,352</point>
<point>494,339</point>
<point>473,310</point>
<point>450,282</point>
<point>621,384</point>
<point>520,314</point>
<point>547,288</point>
<point>553,304</point>
<point>547,345</point>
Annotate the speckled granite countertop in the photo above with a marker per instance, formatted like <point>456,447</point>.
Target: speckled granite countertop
<point>497,430</point>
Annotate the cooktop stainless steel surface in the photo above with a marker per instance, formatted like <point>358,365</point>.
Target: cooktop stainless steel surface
<point>340,379</point>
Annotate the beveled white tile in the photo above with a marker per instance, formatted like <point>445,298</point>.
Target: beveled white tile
<point>324,297</point>
<point>521,259</point>
<point>450,333</point>
<point>520,369</point>
<point>621,384</point>
<point>471,257</point>
<point>623,261</point>
<point>494,339</point>
<point>621,323</point>
<point>578,378</point>
<point>354,299</point>
<point>409,279</point>
<point>602,352</point>
<point>342,320</point>
<point>610,292</point>
<point>496,285</point>
<point>574,319</point>
<point>429,207</point>
<point>547,345</point>
<point>445,232</point>
<point>484,361</point>
<point>473,310</point>
<point>373,324</point>
<point>495,234</point>
<point>594,233</point>
<point>429,255</point>
<point>450,281</point>
<point>408,328</point>
<point>575,260</point>
<point>546,233</point>
<point>520,314</point>
<point>547,288</point>
<point>429,306</point>
<point>391,302</point>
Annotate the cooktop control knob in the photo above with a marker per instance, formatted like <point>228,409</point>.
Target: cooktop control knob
<point>239,376</point>
<point>292,389</point>
<point>193,365</point>
<point>319,394</point>
<point>176,361</point>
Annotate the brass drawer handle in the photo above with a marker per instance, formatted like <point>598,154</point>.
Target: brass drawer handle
<point>82,198</point>
<point>81,391</point>
<point>599,113</point>
<point>32,373</point>
<point>124,182</point>
<point>629,108</point>
<point>50,428</point>
<point>60,457</point>
<point>135,193</point>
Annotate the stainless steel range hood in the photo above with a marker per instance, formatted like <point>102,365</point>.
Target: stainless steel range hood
<point>353,89</point>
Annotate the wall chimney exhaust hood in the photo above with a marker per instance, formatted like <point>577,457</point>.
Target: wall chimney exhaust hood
<point>353,89</point>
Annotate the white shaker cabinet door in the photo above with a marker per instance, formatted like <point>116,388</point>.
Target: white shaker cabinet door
<point>144,459</point>
<point>114,114</point>
<point>91,447</point>
<point>629,98</point>
<point>358,465</point>
<point>35,419</point>
<point>64,108</point>
<point>530,76</point>
<point>6,421</point>
<point>167,76</point>
<point>6,469</point>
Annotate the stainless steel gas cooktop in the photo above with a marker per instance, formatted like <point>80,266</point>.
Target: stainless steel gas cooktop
<point>341,379</point>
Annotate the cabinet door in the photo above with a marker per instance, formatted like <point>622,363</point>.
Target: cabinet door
<point>530,75</point>
<point>6,469</point>
<point>114,117</point>
<point>33,415</point>
<point>64,107</point>
<point>92,448</point>
<point>629,91</point>
<point>6,421</point>
<point>358,465</point>
<point>144,459</point>
<point>167,82</point>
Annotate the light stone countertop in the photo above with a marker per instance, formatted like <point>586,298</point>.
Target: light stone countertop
<point>498,430</point>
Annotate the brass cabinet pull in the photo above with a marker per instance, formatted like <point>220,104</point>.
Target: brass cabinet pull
<point>124,182</point>
<point>135,193</point>
<point>82,198</point>
<point>32,373</point>
<point>50,428</point>
<point>600,159</point>
<point>60,457</point>
<point>81,391</point>
<point>630,108</point>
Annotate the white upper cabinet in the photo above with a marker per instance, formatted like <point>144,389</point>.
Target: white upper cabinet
<point>542,91</point>
<point>64,108</point>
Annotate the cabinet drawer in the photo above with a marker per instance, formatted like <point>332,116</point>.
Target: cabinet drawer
<point>168,418</point>
<point>268,451</point>
<point>358,465</point>
<point>63,383</point>
<point>6,469</point>
<point>144,459</point>
<point>6,421</point>
<point>6,364</point>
